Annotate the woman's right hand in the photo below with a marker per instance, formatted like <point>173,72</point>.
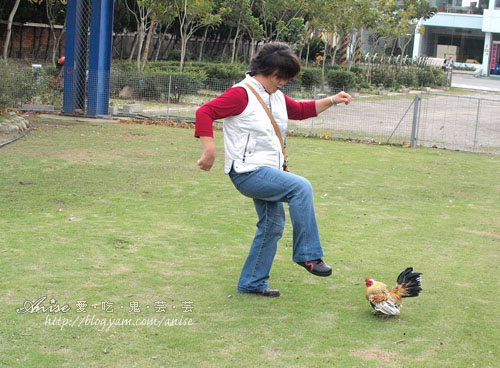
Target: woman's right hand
<point>207,159</point>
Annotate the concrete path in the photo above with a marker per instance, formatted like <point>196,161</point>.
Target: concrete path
<point>470,81</point>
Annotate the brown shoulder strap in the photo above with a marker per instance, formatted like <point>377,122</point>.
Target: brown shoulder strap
<point>275,125</point>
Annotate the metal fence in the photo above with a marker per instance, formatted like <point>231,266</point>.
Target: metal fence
<point>424,119</point>
<point>459,122</point>
<point>77,61</point>
<point>437,120</point>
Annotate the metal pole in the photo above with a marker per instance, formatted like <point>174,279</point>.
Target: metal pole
<point>477,124</point>
<point>397,126</point>
<point>75,66</point>
<point>415,121</point>
<point>101,41</point>
<point>168,97</point>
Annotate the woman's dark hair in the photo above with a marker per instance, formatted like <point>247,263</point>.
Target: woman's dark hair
<point>276,58</point>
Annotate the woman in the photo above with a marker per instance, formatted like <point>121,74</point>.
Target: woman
<point>254,160</point>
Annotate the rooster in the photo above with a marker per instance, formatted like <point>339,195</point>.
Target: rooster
<point>387,301</point>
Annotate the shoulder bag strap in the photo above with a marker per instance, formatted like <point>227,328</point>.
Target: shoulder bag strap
<point>275,125</point>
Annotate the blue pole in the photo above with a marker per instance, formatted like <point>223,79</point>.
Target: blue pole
<point>101,43</point>
<point>75,65</point>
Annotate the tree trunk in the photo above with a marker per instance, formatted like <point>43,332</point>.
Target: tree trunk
<point>403,51</point>
<point>334,55</point>
<point>183,51</point>
<point>57,42</point>
<point>168,48</point>
<point>307,53</point>
<point>145,53</point>
<point>134,45</point>
<point>227,41</point>
<point>394,43</point>
<point>203,43</point>
<point>252,47</point>
<point>161,38</point>
<point>9,29</point>
<point>233,51</point>
<point>52,30</point>
<point>240,41</point>
<point>323,67</point>
<point>33,46</point>
<point>140,43</point>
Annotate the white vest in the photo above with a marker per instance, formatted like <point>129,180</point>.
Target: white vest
<point>249,138</point>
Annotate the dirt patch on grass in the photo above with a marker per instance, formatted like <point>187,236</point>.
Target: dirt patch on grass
<point>117,269</point>
<point>476,232</point>
<point>383,357</point>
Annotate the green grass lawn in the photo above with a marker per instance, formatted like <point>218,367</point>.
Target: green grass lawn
<point>114,216</point>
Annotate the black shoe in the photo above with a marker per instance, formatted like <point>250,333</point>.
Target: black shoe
<point>317,267</point>
<point>273,293</point>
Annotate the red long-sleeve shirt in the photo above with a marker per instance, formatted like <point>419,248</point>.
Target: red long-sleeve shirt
<point>234,101</point>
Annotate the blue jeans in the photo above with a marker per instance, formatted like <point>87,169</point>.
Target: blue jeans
<point>269,188</point>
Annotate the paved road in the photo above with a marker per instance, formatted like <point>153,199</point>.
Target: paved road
<point>469,81</point>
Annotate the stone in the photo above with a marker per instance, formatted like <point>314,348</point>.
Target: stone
<point>384,92</point>
<point>9,128</point>
<point>126,92</point>
<point>133,108</point>
<point>113,110</point>
<point>37,107</point>
<point>22,125</point>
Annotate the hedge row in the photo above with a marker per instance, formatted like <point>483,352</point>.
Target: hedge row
<point>336,76</point>
<point>21,85</point>
<point>412,77</point>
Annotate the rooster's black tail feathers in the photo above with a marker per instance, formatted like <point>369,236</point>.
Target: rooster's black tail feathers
<point>411,281</point>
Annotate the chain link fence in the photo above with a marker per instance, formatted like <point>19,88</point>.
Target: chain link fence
<point>425,119</point>
<point>76,68</point>
<point>463,123</point>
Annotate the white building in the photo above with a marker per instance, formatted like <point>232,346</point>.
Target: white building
<point>467,31</point>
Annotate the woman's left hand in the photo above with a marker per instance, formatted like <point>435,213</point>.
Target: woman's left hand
<point>327,102</point>
<point>342,97</point>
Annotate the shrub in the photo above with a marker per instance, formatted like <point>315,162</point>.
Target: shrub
<point>310,77</point>
<point>407,78</point>
<point>185,84</point>
<point>440,76</point>
<point>24,85</point>
<point>425,78</point>
<point>339,79</point>
<point>162,67</point>
<point>382,77</point>
<point>6,86</point>
<point>156,86</point>
<point>225,71</point>
<point>176,55</point>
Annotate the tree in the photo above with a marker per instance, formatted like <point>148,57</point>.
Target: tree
<point>253,29</point>
<point>413,11</point>
<point>335,19</point>
<point>295,32</point>
<point>55,10</point>
<point>161,12</point>
<point>234,13</point>
<point>395,21</point>
<point>9,29</point>
<point>141,16</point>
<point>193,15</point>
<point>275,15</point>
